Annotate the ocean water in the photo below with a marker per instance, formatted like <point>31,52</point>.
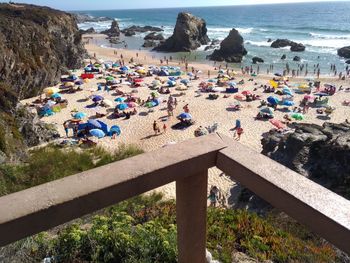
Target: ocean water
<point>321,27</point>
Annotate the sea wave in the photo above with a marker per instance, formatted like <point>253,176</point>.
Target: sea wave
<point>258,43</point>
<point>323,36</point>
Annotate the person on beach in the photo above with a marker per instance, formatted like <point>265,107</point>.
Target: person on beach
<point>186,108</point>
<point>175,103</point>
<point>156,128</point>
<point>164,128</point>
<point>214,196</point>
<point>238,133</point>
<point>66,128</point>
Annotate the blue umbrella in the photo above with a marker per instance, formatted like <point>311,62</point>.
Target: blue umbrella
<point>124,68</point>
<point>190,74</point>
<point>267,110</point>
<point>121,99</point>
<point>96,98</point>
<point>79,82</point>
<point>97,133</point>
<point>79,115</point>
<point>212,80</point>
<point>172,78</point>
<point>95,123</point>
<point>115,129</point>
<point>56,96</point>
<point>87,68</point>
<point>185,116</point>
<point>122,106</point>
<point>273,100</point>
<point>221,71</point>
<point>171,83</point>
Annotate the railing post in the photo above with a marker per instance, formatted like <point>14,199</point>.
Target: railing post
<point>191,217</point>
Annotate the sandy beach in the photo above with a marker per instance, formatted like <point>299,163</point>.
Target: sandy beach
<point>138,129</point>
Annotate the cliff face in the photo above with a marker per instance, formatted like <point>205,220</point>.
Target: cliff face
<point>37,44</point>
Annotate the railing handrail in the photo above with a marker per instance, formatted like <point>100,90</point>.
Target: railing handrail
<point>42,207</point>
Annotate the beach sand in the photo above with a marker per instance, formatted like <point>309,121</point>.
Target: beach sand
<point>138,129</point>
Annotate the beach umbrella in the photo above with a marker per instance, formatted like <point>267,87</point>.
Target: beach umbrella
<point>309,97</point>
<point>273,100</point>
<point>138,80</point>
<point>94,123</point>
<point>212,80</point>
<point>97,133</point>
<point>232,84</point>
<point>239,97</point>
<point>185,115</point>
<point>278,124</point>
<point>221,71</point>
<point>49,104</point>
<point>273,83</point>
<point>115,129</point>
<point>86,80</point>
<point>297,116</point>
<point>50,91</point>
<point>69,84</point>
<point>132,104</point>
<point>322,94</point>
<point>150,104</point>
<point>246,92</point>
<point>122,106</point>
<point>108,103</point>
<point>267,110</point>
<point>96,98</point>
<point>120,99</point>
<point>109,78</point>
<point>278,74</point>
<point>56,96</point>
<point>182,87</point>
<point>235,104</point>
<point>154,94</point>
<point>115,65</point>
<point>171,83</point>
<point>79,115</point>
<point>156,83</point>
<point>124,68</point>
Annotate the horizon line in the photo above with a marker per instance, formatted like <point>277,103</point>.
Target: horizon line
<point>174,7</point>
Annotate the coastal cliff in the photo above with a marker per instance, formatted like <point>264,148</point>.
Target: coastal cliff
<point>37,45</point>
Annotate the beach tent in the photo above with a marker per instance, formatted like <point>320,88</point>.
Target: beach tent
<point>94,123</point>
<point>97,133</point>
<point>115,130</point>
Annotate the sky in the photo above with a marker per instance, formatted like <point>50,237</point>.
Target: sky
<point>70,5</point>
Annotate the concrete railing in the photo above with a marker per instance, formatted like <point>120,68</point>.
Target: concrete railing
<point>45,206</point>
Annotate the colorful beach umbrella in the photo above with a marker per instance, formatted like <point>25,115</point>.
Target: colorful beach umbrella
<point>79,115</point>
<point>122,106</point>
<point>297,116</point>
<point>185,116</point>
<point>115,129</point>
<point>50,91</point>
<point>56,96</point>
<point>97,133</point>
<point>288,103</point>
<point>287,91</point>
<point>185,81</point>
<point>120,99</point>
<point>267,110</point>
<point>96,98</point>
<point>273,100</point>
<point>94,123</point>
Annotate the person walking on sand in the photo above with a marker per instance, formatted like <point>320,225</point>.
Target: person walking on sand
<point>186,108</point>
<point>213,196</point>
<point>156,128</point>
<point>238,133</point>
<point>164,128</point>
<point>175,103</point>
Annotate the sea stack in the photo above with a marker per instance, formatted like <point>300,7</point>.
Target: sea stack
<point>344,52</point>
<point>114,31</point>
<point>231,49</point>
<point>280,43</point>
<point>189,34</point>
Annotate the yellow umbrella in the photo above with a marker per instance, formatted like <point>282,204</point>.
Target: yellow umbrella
<point>50,91</point>
<point>274,84</point>
<point>86,80</point>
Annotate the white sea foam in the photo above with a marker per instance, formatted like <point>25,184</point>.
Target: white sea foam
<point>324,36</point>
<point>257,43</point>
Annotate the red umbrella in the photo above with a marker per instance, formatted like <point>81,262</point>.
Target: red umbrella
<point>278,124</point>
<point>138,80</point>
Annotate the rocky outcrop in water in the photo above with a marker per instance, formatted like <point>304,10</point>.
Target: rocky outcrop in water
<point>189,34</point>
<point>84,18</point>
<point>344,52</point>
<point>231,49</point>
<point>297,59</point>
<point>142,29</point>
<point>154,36</point>
<point>256,60</point>
<point>114,31</point>
<point>321,153</point>
<point>280,43</point>
<point>90,30</point>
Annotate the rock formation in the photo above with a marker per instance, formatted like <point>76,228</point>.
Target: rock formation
<point>321,153</point>
<point>348,61</point>
<point>83,18</point>
<point>91,30</point>
<point>154,36</point>
<point>344,52</point>
<point>37,45</point>
<point>256,60</point>
<point>279,43</point>
<point>149,43</point>
<point>114,31</point>
<point>283,57</point>
<point>141,29</point>
<point>129,33</point>
<point>189,34</point>
<point>231,49</point>
<point>296,58</point>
